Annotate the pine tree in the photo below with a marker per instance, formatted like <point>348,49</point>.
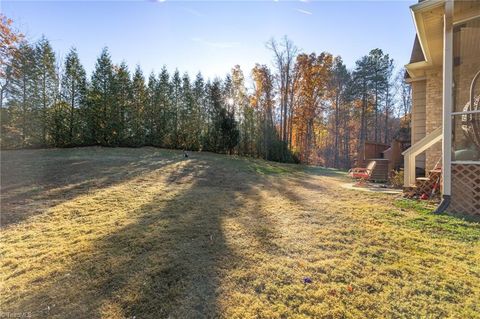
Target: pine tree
<point>176,100</point>
<point>136,127</point>
<point>73,93</point>
<point>337,89</point>
<point>163,117</point>
<point>377,69</point>
<point>199,115</point>
<point>23,93</point>
<point>388,97</point>
<point>227,93</point>
<point>226,127</point>
<point>362,89</point>
<point>151,109</point>
<point>404,90</point>
<point>101,102</point>
<point>47,83</point>
<point>185,113</point>
<point>123,101</point>
<point>213,107</point>
<point>58,124</point>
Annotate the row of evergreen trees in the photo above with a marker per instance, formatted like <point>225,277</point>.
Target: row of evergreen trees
<point>309,105</point>
<point>52,105</point>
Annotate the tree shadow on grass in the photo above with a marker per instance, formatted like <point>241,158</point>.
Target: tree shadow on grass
<point>171,260</point>
<point>33,180</point>
<point>167,264</point>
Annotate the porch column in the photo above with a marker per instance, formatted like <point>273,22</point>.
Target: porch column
<point>447,97</point>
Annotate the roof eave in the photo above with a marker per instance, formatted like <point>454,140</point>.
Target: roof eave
<point>417,69</point>
<point>417,11</point>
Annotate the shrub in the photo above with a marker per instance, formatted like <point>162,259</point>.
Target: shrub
<point>396,178</point>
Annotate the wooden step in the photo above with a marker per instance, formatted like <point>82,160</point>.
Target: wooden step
<point>380,172</point>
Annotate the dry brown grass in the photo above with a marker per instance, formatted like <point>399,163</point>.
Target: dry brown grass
<point>144,233</point>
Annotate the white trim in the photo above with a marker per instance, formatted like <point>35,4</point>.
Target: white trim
<point>410,154</point>
<point>466,20</point>
<point>466,112</point>
<point>417,11</point>
<point>411,80</point>
<point>447,97</point>
<point>420,30</point>
<point>466,162</point>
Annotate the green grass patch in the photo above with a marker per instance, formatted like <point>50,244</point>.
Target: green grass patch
<point>324,171</point>
<point>456,227</point>
<point>271,168</point>
<point>420,206</point>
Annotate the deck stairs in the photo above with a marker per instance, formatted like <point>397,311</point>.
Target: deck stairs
<point>380,172</point>
<point>410,154</point>
<point>421,186</point>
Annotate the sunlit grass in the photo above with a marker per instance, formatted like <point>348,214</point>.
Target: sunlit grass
<point>145,233</point>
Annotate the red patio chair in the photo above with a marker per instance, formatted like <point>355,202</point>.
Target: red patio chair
<point>362,173</point>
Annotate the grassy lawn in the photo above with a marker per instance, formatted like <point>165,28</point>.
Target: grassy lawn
<point>145,233</point>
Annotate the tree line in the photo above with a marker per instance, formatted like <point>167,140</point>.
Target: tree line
<point>306,108</point>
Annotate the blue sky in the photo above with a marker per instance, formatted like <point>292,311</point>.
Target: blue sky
<point>212,36</point>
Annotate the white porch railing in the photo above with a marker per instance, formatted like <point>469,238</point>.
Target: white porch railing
<point>410,154</point>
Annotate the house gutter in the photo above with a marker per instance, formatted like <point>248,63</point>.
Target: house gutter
<point>443,204</point>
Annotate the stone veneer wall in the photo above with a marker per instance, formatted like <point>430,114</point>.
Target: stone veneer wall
<point>434,113</point>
